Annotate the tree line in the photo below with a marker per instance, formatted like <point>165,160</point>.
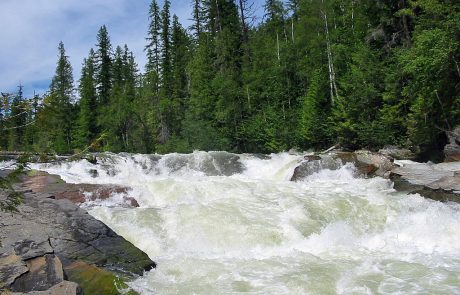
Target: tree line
<point>312,73</point>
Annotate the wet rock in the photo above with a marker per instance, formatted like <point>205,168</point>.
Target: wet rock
<point>313,164</point>
<point>44,183</point>
<point>43,273</point>
<point>93,173</point>
<point>366,163</point>
<point>452,150</point>
<point>435,181</point>
<point>93,279</point>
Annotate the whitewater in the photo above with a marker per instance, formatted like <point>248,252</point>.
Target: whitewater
<point>221,223</point>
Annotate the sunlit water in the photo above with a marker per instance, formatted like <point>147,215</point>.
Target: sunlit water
<point>218,223</point>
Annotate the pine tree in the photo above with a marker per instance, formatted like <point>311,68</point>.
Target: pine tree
<point>60,103</point>
<point>153,39</point>
<point>87,120</point>
<point>103,66</point>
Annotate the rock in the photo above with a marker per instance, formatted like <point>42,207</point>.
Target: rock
<point>93,279</point>
<point>435,181</point>
<point>313,164</point>
<point>63,288</point>
<point>11,267</point>
<point>398,153</point>
<point>366,163</point>
<point>28,249</point>
<point>49,231</point>
<point>44,183</point>
<point>452,150</point>
<point>43,273</point>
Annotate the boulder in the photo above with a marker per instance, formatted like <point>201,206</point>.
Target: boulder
<point>366,163</point>
<point>398,153</point>
<point>313,164</point>
<point>440,182</point>
<point>48,232</point>
<point>11,268</point>
<point>452,150</point>
<point>43,273</point>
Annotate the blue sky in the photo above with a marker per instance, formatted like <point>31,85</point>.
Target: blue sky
<point>31,30</point>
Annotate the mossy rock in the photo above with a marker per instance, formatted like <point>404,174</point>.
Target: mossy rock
<point>94,280</point>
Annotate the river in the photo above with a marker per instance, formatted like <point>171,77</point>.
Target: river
<point>220,223</point>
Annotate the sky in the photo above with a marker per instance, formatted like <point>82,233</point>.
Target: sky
<point>32,29</point>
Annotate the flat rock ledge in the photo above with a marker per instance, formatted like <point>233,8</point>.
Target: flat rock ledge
<point>439,182</point>
<point>52,246</point>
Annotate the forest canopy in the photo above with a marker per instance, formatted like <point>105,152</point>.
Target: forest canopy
<point>312,73</point>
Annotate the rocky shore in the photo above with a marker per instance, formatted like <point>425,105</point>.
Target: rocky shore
<point>439,182</point>
<point>52,246</point>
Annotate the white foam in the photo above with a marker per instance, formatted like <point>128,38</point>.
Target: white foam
<point>256,232</point>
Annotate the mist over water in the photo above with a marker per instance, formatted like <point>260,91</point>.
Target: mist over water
<point>220,223</point>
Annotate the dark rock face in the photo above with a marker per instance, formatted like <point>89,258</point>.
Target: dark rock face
<point>49,235</point>
<point>452,150</point>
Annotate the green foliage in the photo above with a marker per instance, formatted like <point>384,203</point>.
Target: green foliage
<point>311,74</point>
<point>10,199</point>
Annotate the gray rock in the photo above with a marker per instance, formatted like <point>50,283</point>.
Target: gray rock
<point>43,273</point>
<point>11,267</point>
<point>366,163</point>
<point>63,288</point>
<point>452,150</point>
<point>28,249</point>
<point>398,153</point>
<point>45,229</point>
<point>435,181</point>
<point>313,164</point>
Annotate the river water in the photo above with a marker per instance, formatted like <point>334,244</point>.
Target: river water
<point>219,223</point>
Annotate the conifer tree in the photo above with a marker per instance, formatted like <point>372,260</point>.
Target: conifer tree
<point>61,97</point>
<point>87,120</point>
<point>153,38</point>
<point>103,66</point>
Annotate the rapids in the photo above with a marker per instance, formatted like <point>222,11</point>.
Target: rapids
<point>220,223</point>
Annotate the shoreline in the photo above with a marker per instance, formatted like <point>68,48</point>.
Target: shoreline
<point>52,242</point>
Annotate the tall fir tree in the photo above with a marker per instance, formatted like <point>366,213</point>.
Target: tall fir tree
<point>87,119</point>
<point>103,66</point>
<point>61,96</point>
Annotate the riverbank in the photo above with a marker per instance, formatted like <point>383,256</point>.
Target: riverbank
<point>53,244</point>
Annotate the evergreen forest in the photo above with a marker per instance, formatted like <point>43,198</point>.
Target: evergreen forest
<point>308,75</point>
